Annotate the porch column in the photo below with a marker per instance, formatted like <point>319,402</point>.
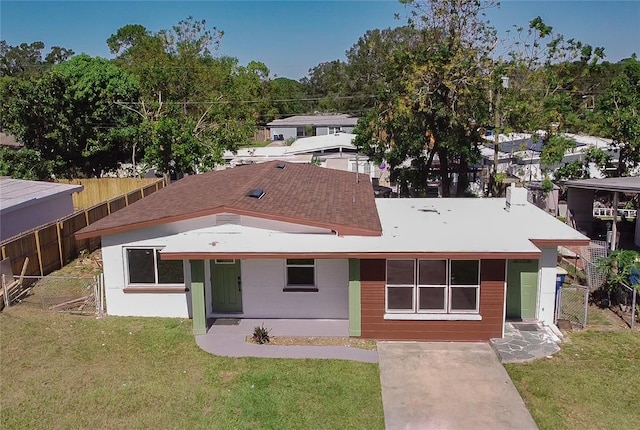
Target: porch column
<point>354,297</point>
<point>547,281</point>
<point>197,297</point>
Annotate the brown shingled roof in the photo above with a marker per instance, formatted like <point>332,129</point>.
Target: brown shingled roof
<point>299,193</point>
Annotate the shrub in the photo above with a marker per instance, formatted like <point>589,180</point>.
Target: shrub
<point>261,334</point>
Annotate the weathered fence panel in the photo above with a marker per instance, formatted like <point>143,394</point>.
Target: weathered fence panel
<point>134,196</point>
<point>70,246</point>
<point>53,245</point>
<point>117,204</point>
<point>23,247</point>
<point>49,250</point>
<point>98,190</point>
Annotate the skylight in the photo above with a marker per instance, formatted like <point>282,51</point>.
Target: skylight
<point>256,193</point>
<point>281,165</point>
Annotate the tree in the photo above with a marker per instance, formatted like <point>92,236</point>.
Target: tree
<point>287,98</point>
<point>25,163</point>
<point>68,115</point>
<point>193,105</point>
<point>439,94</point>
<point>329,83</point>
<point>25,60</point>
<point>618,111</point>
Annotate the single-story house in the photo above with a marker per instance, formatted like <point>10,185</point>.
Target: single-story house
<point>25,205</point>
<point>311,125</point>
<point>285,240</point>
<point>581,197</point>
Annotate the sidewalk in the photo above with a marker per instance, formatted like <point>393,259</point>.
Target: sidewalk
<point>227,337</point>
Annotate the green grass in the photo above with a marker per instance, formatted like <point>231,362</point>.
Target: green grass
<point>62,371</point>
<point>592,383</point>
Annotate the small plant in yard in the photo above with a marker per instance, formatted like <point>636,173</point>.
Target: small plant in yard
<point>261,335</point>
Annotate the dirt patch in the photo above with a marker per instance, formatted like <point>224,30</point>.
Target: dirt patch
<point>321,341</point>
<point>228,376</point>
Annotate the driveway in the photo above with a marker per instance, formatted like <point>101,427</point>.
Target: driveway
<point>456,386</point>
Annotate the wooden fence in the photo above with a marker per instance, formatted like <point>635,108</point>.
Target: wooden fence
<point>98,190</point>
<point>53,245</point>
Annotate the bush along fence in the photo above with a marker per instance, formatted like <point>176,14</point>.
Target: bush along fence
<point>52,246</point>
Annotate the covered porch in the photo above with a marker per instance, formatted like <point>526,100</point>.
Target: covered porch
<point>251,296</point>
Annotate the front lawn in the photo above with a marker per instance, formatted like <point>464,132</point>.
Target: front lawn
<point>63,371</point>
<point>592,383</point>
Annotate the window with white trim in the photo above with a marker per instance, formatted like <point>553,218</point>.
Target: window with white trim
<point>144,267</point>
<point>335,129</point>
<point>433,286</point>
<point>301,273</point>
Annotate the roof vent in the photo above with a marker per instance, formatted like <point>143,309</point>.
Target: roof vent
<point>429,209</point>
<point>256,193</point>
<point>281,165</point>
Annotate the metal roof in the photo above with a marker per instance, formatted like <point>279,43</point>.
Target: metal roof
<point>317,120</point>
<point>16,193</point>
<point>626,185</point>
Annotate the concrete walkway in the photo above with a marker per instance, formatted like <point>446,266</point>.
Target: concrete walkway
<point>227,337</point>
<point>524,342</point>
<point>448,386</point>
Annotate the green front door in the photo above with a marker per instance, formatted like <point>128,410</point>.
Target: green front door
<point>522,288</point>
<point>226,286</point>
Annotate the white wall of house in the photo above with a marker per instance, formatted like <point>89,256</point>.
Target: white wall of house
<point>178,304</point>
<point>286,132</point>
<point>264,280</point>
<point>547,285</point>
<point>39,212</point>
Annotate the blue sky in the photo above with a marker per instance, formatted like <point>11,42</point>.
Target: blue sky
<point>292,36</point>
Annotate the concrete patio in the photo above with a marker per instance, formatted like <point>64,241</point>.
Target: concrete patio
<point>227,337</point>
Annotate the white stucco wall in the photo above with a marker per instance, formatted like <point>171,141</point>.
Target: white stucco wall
<point>262,295</point>
<point>547,285</point>
<point>178,304</point>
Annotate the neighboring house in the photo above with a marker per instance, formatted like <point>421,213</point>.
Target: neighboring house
<point>580,205</point>
<point>9,141</point>
<point>519,154</point>
<point>334,151</point>
<point>284,240</point>
<point>547,201</point>
<point>25,205</point>
<point>311,125</point>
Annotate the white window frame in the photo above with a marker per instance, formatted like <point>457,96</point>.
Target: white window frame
<point>335,129</point>
<point>446,313</point>
<point>476,286</point>
<point>155,249</point>
<point>300,286</point>
<point>387,286</point>
<point>445,308</point>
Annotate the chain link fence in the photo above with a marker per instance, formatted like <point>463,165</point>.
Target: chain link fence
<point>74,294</point>
<point>596,250</point>
<point>572,304</point>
